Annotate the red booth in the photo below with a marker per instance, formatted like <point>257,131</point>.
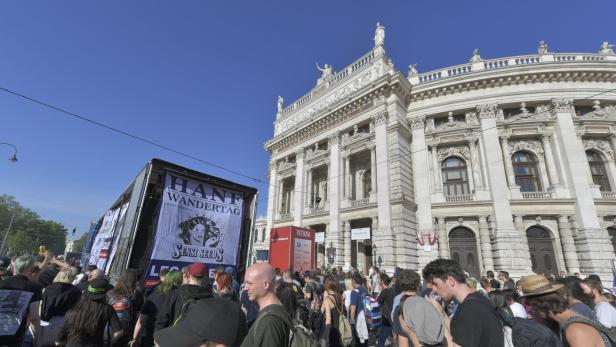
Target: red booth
<point>292,248</point>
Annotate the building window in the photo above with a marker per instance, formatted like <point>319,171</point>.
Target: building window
<point>597,169</point>
<point>455,177</point>
<point>526,172</point>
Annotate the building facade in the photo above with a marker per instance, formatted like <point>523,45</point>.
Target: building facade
<point>500,164</point>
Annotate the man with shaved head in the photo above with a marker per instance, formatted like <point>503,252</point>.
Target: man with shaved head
<point>273,324</point>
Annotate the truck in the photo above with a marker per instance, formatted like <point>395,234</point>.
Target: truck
<point>170,216</point>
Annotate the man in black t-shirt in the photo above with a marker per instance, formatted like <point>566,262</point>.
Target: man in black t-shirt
<point>475,324</point>
<point>22,280</point>
<point>508,283</point>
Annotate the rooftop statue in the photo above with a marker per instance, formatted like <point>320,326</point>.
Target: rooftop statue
<point>606,48</point>
<point>379,35</point>
<point>280,101</point>
<point>543,48</point>
<point>476,57</point>
<point>413,70</point>
<point>326,71</point>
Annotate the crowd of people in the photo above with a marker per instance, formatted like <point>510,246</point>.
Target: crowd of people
<point>439,306</point>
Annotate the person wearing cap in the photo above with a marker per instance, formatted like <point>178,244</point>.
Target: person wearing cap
<point>210,322</point>
<point>475,323</point>
<point>189,292</point>
<point>550,302</point>
<point>85,324</point>
<point>273,325</point>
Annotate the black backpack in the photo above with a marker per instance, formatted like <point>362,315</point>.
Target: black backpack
<point>528,333</point>
<point>608,334</point>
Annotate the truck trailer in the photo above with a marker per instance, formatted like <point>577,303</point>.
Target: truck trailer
<point>170,216</point>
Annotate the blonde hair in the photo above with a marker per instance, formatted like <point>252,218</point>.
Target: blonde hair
<point>66,275</point>
<point>348,284</point>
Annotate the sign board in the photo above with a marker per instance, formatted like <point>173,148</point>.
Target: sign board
<point>292,248</point>
<point>198,222</point>
<point>360,234</point>
<point>319,237</point>
<point>14,304</point>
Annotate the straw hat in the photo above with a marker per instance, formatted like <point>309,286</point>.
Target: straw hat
<point>538,285</point>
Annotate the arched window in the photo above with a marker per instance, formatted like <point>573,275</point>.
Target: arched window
<point>455,177</point>
<point>526,172</point>
<point>597,169</point>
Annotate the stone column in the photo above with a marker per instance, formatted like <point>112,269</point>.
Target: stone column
<point>271,194</point>
<point>504,139</point>
<point>443,240</point>
<point>506,248</point>
<point>438,186</point>
<point>475,163</point>
<point>421,175</point>
<point>549,158</point>
<point>486,244</point>
<point>521,228</point>
<point>372,149</point>
<point>568,245</point>
<point>347,245</point>
<point>334,235</point>
<point>347,172</point>
<point>299,188</point>
<point>593,241</point>
<point>383,193</point>
<point>311,190</point>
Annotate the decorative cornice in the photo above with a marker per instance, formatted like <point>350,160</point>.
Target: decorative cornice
<point>487,111</point>
<point>417,122</point>
<point>333,139</point>
<point>561,104</point>
<point>380,118</point>
<point>532,146</point>
<point>458,151</point>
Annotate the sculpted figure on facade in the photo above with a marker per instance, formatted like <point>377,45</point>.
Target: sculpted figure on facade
<point>429,125</point>
<point>280,103</point>
<point>532,146</point>
<point>476,57</point>
<point>413,70</point>
<point>543,48</point>
<point>379,35</point>
<point>471,118</point>
<point>606,48</point>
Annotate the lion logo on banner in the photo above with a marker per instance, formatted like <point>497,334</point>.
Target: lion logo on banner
<point>200,231</point>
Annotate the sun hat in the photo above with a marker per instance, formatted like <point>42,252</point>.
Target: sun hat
<point>96,290</point>
<point>533,285</point>
<point>214,320</point>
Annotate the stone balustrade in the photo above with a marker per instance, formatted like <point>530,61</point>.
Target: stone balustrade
<point>459,198</point>
<point>499,63</point>
<point>536,195</point>
<point>608,195</point>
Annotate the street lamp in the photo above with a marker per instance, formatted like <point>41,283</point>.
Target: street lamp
<point>12,159</point>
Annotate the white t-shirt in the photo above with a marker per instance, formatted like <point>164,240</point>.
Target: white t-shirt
<point>347,298</point>
<point>606,314</point>
<point>518,310</point>
<point>376,283</point>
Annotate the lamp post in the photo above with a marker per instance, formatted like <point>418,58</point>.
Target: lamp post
<point>13,158</point>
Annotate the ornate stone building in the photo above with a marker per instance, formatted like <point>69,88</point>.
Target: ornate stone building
<point>498,163</point>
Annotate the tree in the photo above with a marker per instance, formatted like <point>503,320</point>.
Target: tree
<point>80,243</point>
<point>29,231</point>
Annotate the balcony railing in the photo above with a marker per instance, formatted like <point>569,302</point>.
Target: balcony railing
<point>608,195</point>
<point>285,216</point>
<point>536,195</point>
<point>322,207</point>
<point>459,198</point>
<point>360,202</point>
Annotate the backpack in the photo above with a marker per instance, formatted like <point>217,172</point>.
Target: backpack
<point>124,309</point>
<point>372,312</point>
<point>608,334</point>
<point>300,336</point>
<point>345,328</point>
<point>528,333</point>
<point>186,302</point>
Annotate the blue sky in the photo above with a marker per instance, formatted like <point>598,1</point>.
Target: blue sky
<point>203,77</point>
